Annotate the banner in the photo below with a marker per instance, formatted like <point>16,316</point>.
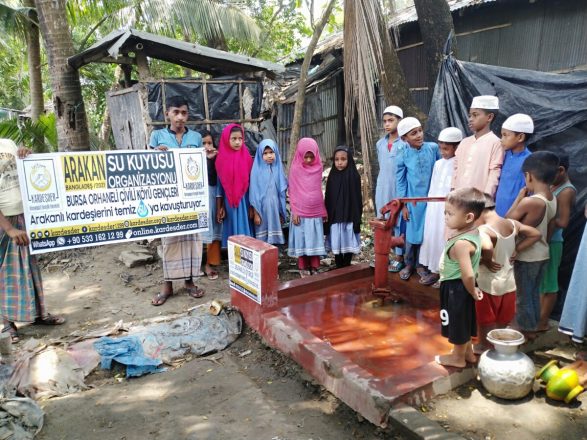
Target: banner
<point>92,198</point>
<point>244,269</point>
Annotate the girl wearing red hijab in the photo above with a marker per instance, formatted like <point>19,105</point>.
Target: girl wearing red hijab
<point>233,165</point>
<point>306,232</point>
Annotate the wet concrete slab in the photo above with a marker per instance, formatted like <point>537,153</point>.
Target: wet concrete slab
<point>369,356</point>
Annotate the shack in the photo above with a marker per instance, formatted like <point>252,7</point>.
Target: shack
<point>228,89</point>
<point>537,35</point>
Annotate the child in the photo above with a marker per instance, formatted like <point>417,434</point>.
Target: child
<point>268,187</point>
<point>574,317</point>
<point>213,237</point>
<point>565,194</point>
<point>501,239</point>
<point>414,170</point>
<point>537,210</point>
<point>182,254</point>
<point>21,286</point>
<point>306,233</point>
<point>478,160</point>
<point>233,166</point>
<point>344,205</point>
<point>514,136</point>
<point>388,148</point>
<point>458,268</point>
<point>434,230</point>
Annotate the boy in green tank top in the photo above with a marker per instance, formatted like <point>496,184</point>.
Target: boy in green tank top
<point>458,269</point>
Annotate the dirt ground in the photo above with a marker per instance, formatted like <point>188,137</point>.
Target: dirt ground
<point>262,395</point>
<point>247,391</point>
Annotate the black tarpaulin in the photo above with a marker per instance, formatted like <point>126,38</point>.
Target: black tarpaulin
<point>556,102</point>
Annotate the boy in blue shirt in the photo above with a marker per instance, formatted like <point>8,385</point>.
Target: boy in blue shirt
<point>514,137</point>
<point>414,171</point>
<point>182,254</point>
<point>176,135</point>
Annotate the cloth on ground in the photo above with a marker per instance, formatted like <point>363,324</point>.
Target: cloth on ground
<point>21,418</point>
<point>128,351</point>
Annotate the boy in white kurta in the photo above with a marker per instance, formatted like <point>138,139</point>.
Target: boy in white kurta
<point>434,228</point>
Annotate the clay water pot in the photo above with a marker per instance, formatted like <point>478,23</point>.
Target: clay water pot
<point>506,372</point>
<point>561,384</point>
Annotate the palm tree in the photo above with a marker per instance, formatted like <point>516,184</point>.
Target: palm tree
<point>21,20</point>
<point>370,60</point>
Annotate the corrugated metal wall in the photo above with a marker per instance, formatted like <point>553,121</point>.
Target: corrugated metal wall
<point>321,119</point>
<point>547,35</point>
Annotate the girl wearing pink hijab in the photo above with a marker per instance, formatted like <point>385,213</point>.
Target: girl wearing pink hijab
<point>308,212</point>
<point>233,165</point>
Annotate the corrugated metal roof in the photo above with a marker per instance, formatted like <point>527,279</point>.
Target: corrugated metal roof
<point>409,14</point>
<point>190,55</point>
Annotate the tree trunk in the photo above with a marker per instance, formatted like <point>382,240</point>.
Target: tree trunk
<point>106,127</point>
<point>436,24</point>
<point>72,125</point>
<point>296,125</point>
<point>370,60</point>
<point>34,61</point>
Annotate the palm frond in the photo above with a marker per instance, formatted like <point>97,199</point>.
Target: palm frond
<point>40,136</point>
<point>14,17</point>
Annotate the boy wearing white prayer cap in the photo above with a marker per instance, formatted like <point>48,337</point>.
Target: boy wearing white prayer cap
<point>387,150</point>
<point>414,171</point>
<point>479,157</point>
<point>434,227</point>
<point>514,137</point>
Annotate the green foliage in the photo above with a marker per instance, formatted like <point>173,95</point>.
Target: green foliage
<point>39,136</point>
<point>283,27</point>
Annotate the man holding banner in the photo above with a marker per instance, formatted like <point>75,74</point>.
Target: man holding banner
<point>21,287</point>
<point>182,255</point>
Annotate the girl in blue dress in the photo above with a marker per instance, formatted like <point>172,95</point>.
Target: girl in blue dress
<point>306,233</point>
<point>267,193</point>
<point>233,165</point>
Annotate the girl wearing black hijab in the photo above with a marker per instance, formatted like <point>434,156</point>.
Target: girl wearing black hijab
<point>344,204</point>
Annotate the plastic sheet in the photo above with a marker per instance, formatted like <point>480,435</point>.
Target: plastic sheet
<point>556,102</point>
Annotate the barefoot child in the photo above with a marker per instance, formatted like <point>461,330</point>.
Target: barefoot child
<point>537,210</point>
<point>434,229</point>
<point>233,165</point>
<point>478,160</point>
<point>344,204</point>
<point>182,254</point>
<point>388,148</point>
<point>501,240</point>
<point>514,137</point>
<point>268,187</point>
<point>458,268</point>
<point>213,237</point>
<point>21,286</point>
<point>414,171</point>
<point>306,232</point>
<point>565,194</point>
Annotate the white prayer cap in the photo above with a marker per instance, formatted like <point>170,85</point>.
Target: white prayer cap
<point>519,123</point>
<point>485,102</point>
<point>450,134</point>
<point>394,110</point>
<point>406,125</point>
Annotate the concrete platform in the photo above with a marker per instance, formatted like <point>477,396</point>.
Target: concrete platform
<point>375,359</point>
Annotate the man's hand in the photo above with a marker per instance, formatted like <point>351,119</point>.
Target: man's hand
<point>20,237</point>
<point>23,152</point>
<point>257,219</point>
<point>162,148</point>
